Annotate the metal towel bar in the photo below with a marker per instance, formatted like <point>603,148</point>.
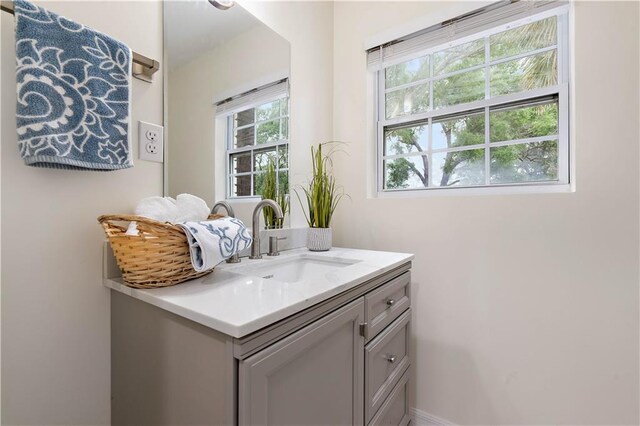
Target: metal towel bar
<point>143,67</point>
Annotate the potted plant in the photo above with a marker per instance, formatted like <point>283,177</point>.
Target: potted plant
<point>322,196</point>
<point>271,191</point>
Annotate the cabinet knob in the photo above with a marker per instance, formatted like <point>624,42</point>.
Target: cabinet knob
<point>391,358</point>
<point>391,302</point>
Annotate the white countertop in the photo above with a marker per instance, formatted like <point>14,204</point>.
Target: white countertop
<point>231,302</point>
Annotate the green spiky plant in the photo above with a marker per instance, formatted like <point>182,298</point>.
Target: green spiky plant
<point>271,191</point>
<point>322,195</point>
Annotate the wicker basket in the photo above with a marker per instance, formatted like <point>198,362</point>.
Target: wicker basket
<point>157,257</point>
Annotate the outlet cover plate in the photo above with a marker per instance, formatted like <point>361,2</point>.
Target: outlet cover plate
<point>151,142</point>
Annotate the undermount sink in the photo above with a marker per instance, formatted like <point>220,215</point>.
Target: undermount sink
<point>296,268</point>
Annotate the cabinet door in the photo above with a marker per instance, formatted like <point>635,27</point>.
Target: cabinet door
<point>313,377</point>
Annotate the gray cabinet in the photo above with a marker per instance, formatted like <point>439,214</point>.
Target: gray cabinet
<point>385,303</point>
<point>395,410</point>
<point>386,359</point>
<point>313,377</point>
<point>343,361</point>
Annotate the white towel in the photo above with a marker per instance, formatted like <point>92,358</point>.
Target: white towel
<point>184,208</point>
<point>162,209</point>
<point>212,241</point>
<point>190,208</point>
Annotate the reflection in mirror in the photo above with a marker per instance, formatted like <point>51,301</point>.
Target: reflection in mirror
<point>226,108</point>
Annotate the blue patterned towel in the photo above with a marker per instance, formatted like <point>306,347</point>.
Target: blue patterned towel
<point>74,93</point>
<point>212,241</point>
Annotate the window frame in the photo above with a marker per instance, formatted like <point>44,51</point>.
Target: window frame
<point>252,149</point>
<point>561,90</point>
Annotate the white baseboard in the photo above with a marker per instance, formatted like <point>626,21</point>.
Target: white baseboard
<point>421,418</point>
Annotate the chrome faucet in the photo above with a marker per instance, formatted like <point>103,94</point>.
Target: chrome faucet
<point>255,246</point>
<point>235,258</point>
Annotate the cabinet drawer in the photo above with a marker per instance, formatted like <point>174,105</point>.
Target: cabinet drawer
<point>385,304</point>
<point>395,409</point>
<point>386,358</point>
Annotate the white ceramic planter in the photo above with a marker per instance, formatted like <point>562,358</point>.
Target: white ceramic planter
<point>319,239</point>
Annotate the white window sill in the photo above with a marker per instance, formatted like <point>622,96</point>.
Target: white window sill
<point>495,190</point>
<point>247,199</point>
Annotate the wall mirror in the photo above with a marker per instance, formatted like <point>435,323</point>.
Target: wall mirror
<point>226,107</point>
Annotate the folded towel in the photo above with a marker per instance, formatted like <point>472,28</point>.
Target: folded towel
<point>162,209</point>
<point>191,208</point>
<point>184,208</point>
<point>73,92</point>
<point>212,241</point>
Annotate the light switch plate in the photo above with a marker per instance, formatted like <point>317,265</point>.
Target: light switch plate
<point>151,142</point>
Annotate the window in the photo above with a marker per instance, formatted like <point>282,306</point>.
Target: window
<point>460,107</point>
<point>258,134</point>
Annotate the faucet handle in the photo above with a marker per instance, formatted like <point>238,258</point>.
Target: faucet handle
<point>273,245</point>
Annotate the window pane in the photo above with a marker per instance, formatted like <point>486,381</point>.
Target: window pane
<point>258,184</point>
<point>411,100</point>
<point>284,106</point>
<point>527,73</point>
<point>523,39</point>
<point>524,122</point>
<point>243,118</point>
<point>241,163</point>
<point>405,140</point>
<point>284,128</point>
<point>409,172</point>
<point>283,157</point>
<point>244,137</point>
<point>261,159</point>
<point>268,111</point>
<point>272,131</point>
<point>459,57</point>
<point>530,162</point>
<point>241,186</point>
<point>459,89</point>
<point>459,131</point>
<point>283,182</point>
<point>407,72</point>
<point>460,168</point>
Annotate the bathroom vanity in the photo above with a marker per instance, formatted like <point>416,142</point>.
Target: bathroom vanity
<point>303,338</point>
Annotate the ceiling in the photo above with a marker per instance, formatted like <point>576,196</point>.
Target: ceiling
<point>195,26</point>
